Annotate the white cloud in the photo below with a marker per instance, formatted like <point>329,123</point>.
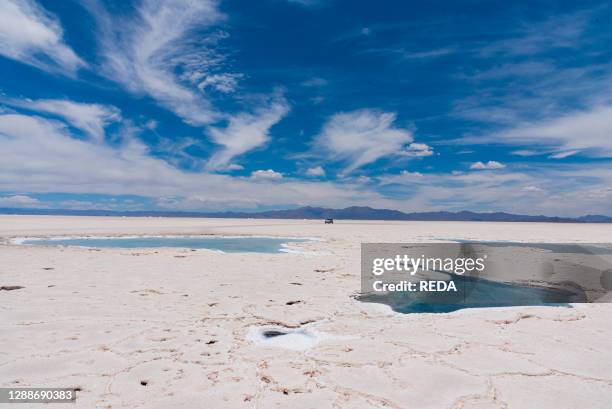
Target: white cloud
<point>19,201</point>
<point>489,165</point>
<point>90,118</point>
<point>317,171</point>
<point>145,52</point>
<point>586,132</point>
<point>356,180</point>
<point>562,155</point>
<point>31,35</point>
<point>40,155</point>
<point>533,189</point>
<point>564,190</point>
<point>167,50</point>
<point>417,150</point>
<point>245,132</point>
<point>524,152</point>
<point>409,174</point>
<point>266,174</point>
<point>225,83</point>
<point>151,124</point>
<point>44,151</point>
<point>362,137</point>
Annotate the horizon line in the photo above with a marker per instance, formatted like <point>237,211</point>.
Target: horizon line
<point>510,217</point>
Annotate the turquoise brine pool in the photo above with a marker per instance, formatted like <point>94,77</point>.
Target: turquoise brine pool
<point>226,244</point>
<point>474,293</point>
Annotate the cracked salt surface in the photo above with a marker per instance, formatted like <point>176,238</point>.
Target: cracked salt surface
<point>295,339</point>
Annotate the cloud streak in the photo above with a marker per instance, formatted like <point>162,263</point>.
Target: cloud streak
<point>245,132</point>
<point>587,133</point>
<point>90,118</point>
<point>33,36</point>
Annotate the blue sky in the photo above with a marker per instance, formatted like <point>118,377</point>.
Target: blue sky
<point>242,105</point>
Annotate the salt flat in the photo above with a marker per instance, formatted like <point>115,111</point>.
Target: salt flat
<point>169,328</point>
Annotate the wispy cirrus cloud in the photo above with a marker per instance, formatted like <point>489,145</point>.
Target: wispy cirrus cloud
<point>585,132</point>
<point>406,54</point>
<point>553,107</point>
<point>90,118</point>
<point>146,53</point>
<point>562,155</point>
<point>33,36</point>
<point>537,58</point>
<point>539,91</point>
<point>245,131</point>
<point>168,50</point>
<point>364,136</point>
<point>561,31</point>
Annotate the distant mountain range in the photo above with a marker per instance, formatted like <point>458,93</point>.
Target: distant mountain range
<point>308,212</point>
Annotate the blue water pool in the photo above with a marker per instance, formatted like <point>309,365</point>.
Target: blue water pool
<point>225,244</point>
<point>474,293</point>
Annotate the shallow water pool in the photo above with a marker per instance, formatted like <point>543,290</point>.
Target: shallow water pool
<point>474,293</point>
<point>219,243</point>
